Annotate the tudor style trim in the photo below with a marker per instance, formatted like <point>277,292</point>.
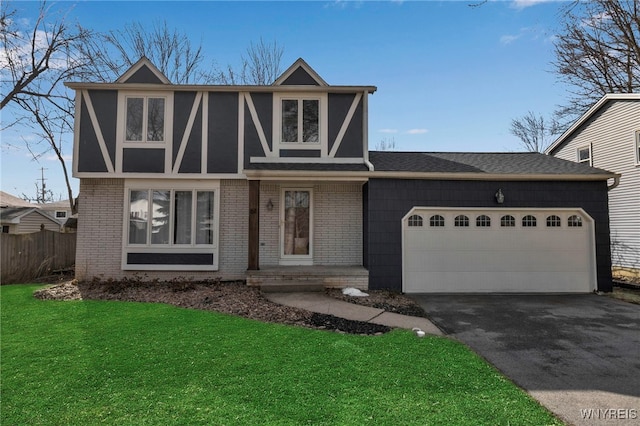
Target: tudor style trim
<point>108,161</point>
<point>345,125</point>
<point>258,125</point>
<point>187,132</point>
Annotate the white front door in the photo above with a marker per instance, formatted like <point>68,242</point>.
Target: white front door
<point>296,225</point>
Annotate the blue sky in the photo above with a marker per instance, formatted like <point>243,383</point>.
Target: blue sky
<point>450,77</point>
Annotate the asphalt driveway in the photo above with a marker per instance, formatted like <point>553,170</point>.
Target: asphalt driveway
<point>573,353</point>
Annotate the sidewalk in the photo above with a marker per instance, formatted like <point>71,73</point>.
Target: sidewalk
<point>323,304</point>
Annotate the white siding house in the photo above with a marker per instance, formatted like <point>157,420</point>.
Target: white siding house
<point>608,137</point>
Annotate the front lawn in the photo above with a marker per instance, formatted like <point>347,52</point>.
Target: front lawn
<point>90,362</point>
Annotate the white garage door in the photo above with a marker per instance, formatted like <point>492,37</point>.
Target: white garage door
<point>448,250</point>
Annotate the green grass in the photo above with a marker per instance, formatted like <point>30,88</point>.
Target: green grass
<point>96,362</point>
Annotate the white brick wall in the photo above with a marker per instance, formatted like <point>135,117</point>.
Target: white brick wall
<point>337,229</point>
<point>100,219</point>
<point>100,216</point>
<point>337,223</point>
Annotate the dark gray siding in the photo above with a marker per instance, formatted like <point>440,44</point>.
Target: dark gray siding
<point>300,77</point>
<point>389,200</point>
<point>143,75</point>
<point>252,145</point>
<point>105,105</point>
<point>264,108</point>
<point>339,105</point>
<point>192,158</point>
<point>89,155</point>
<point>352,142</point>
<point>169,258</point>
<point>222,151</point>
<point>300,153</point>
<point>143,160</point>
<point>182,104</point>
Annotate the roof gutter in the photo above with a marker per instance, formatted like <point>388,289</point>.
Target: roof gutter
<point>616,182</point>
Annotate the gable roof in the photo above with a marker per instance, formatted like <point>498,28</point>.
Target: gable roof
<point>8,200</point>
<point>143,71</point>
<point>587,115</point>
<point>14,214</point>
<point>482,165</point>
<point>300,73</point>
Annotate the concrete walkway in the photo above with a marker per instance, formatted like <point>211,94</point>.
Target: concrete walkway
<point>323,304</point>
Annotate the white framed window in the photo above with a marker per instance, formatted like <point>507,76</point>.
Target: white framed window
<point>584,154</point>
<point>171,225</point>
<point>61,214</point>
<point>300,121</point>
<point>145,119</point>
<point>574,221</point>
<point>637,147</point>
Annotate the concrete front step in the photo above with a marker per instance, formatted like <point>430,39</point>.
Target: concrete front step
<point>290,286</point>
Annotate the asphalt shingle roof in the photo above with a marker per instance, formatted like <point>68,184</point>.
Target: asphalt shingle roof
<point>478,162</point>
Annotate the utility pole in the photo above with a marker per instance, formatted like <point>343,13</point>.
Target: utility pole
<point>43,187</point>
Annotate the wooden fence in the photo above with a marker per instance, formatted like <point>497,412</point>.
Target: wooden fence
<point>24,257</point>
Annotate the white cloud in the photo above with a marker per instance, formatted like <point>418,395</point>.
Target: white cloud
<point>508,39</point>
<point>416,131</point>
<point>522,4</point>
<point>388,131</point>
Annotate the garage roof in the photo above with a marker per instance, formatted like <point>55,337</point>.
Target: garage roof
<point>508,163</point>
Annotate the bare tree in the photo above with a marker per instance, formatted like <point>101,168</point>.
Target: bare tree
<point>598,52</point>
<point>35,61</point>
<point>170,50</point>
<point>386,144</point>
<point>260,65</point>
<point>534,132</point>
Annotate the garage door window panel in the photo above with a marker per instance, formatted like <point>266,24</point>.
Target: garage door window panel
<point>529,221</point>
<point>553,221</point>
<point>574,221</point>
<point>461,221</point>
<point>508,221</point>
<point>483,221</point>
<point>415,220</point>
<point>436,221</point>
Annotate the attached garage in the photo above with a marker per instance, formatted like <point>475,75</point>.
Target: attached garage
<point>527,250</point>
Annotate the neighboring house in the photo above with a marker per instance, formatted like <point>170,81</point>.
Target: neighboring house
<point>276,182</point>
<point>608,136</point>
<point>8,200</point>
<point>25,220</point>
<point>61,211</point>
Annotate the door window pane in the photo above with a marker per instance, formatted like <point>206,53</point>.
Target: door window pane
<point>138,215</point>
<point>134,119</point>
<point>160,222</point>
<point>296,222</point>
<point>182,225</point>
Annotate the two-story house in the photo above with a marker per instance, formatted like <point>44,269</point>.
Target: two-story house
<point>608,136</point>
<point>276,182</point>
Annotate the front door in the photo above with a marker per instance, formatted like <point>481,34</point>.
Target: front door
<point>296,227</point>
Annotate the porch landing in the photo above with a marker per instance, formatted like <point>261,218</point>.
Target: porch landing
<point>308,278</point>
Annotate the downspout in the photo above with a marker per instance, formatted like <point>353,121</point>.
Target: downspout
<point>365,130</point>
<point>616,182</point>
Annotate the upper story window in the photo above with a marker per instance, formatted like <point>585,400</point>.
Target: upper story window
<point>300,120</point>
<point>584,154</point>
<point>145,119</point>
<point>415,220</point>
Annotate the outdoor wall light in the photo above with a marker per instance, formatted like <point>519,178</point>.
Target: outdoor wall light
<point>499,196</point>
<point>269,205</point>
